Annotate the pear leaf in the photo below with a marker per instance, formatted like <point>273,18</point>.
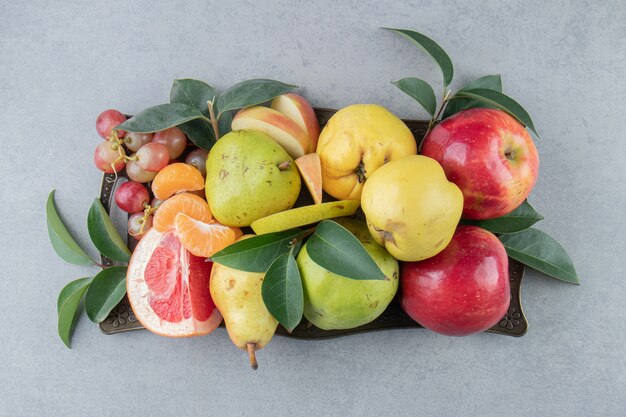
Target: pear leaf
<point>282,291</point>
<point>67,307</point>
<point>519,219</point>
<point>250,93</point>
<point>106,290</point>
<point>104,235</point>
<point>433,49</point>
<point>257,253</point>
<point>420,91</point>
<point>491,82</point>
<point>334,248</point>
<point>542,252</point>
<point>62,241</point>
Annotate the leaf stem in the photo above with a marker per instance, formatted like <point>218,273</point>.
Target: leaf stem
<point>433,121</point>
<point>214,123</point>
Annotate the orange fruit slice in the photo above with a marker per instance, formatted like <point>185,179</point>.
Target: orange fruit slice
<point>204,239</point>
<point>192,205</point>
<point>311,171</point>
<point>175,178</point>
<point>168,287</point>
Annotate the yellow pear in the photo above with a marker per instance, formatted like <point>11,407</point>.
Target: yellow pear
<point>411,208</point>
<point>237,295</point>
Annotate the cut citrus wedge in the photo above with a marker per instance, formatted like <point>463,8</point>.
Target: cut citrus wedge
<point>176,178</point>
<point>311,171</point>
<point>168,287</point>
<point>304,215</point>
<point>192,205</point>
<point>204,239</point>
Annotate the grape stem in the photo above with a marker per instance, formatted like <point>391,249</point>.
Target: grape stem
<point>216,129</point>
<point>147,211</point>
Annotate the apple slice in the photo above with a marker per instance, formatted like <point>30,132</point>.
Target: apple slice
<point>311,171</point>
<point>304,215</point>
<point>276,125</point>
<point>300,111</point>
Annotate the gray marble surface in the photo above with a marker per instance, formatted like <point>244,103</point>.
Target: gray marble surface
<point>61,63</point>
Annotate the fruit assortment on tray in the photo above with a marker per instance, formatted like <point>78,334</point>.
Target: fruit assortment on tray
<point>223,229</point>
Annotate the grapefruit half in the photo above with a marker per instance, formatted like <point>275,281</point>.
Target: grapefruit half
<point>168,287</point>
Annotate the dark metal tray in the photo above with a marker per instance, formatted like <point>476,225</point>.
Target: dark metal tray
<point>513,323</point>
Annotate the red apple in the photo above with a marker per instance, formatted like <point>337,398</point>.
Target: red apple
<point>462,290</point>
<point>490,156</point>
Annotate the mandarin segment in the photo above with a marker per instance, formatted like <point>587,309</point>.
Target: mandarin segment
<point>175,178</point>
<point>204,239</point>
<point>192,205</point>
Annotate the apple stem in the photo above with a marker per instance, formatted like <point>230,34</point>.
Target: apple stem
<point>216,129</point>
<point>251,356</point>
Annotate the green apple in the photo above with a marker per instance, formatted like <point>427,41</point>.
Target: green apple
<point>249,176</point>
<point>332,301</point>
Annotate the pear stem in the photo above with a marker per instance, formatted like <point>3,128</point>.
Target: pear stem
<point>251,356</point>
<point>283,166</point>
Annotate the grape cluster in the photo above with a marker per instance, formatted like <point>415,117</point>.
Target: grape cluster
<point>149,153</point>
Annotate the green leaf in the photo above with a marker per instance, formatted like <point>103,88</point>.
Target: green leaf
<point>250,93</point>
<point>282,291</point>
<point>420,91</point>
<point>542,252</point>
<point>104,235</point>
<point>161,117</point>
<point>334,248</point>
<point>195,93</point>
<point>63,243</point>
<point>490,82</point>
<point>433,49</point>
<point>67,307</point>
<point>519,219</point>
<point>502,102</point>
<point>200,132</point>
<point>106,290</point>
<point>256,254</point>
<point>225,122</point>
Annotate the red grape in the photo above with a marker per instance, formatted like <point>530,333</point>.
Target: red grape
<point>107,120</point>
<point>137,173</point>
<point>131,196</point>
<point>135,223</point>
<point>153,157</point>
<point>106,153</point>
<point>155,203</point>
<point>197,159</point>
<point>174,140</point>
<point>135,140</point>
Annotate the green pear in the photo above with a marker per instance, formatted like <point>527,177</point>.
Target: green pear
<point>249,176</point>
<point>237,295</point>
<point>332,301</point>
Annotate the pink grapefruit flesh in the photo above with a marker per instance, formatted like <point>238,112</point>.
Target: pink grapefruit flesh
<point>168,287</point>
